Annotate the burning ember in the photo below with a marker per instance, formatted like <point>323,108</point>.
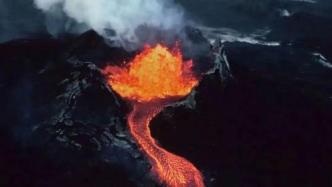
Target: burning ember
<point>156,77</point>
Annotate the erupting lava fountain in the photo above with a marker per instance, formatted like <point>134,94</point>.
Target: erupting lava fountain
<point>154,78</point>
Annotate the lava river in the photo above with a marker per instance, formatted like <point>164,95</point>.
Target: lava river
<point>153,79</point>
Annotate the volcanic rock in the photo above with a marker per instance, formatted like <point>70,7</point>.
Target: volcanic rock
<point>64,125</point>
<point>265,126</point>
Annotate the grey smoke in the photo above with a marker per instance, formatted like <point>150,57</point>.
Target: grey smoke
<point>121,16</point>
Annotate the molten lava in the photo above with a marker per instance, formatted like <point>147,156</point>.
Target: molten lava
<point>156,73</point>
<point>156,77</point>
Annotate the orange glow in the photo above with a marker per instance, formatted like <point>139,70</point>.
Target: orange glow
<point>151,81</point>
<point>156,73</point>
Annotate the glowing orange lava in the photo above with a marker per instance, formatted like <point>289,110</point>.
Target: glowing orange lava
<point>156,77</point>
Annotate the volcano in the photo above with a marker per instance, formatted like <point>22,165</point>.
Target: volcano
<point>245,101</point>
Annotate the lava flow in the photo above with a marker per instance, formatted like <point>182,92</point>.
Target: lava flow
<point>156,77</point>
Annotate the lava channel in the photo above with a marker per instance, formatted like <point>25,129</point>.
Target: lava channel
<point>155,78</point>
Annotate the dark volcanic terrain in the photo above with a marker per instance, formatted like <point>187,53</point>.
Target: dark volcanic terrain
<point>264,122</point>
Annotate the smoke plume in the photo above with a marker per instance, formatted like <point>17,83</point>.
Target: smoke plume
<point>118,19</point>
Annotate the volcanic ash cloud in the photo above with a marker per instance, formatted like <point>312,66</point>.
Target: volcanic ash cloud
<point>123,17</point>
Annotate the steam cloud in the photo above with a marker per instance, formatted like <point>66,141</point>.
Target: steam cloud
<point>121,16</point>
